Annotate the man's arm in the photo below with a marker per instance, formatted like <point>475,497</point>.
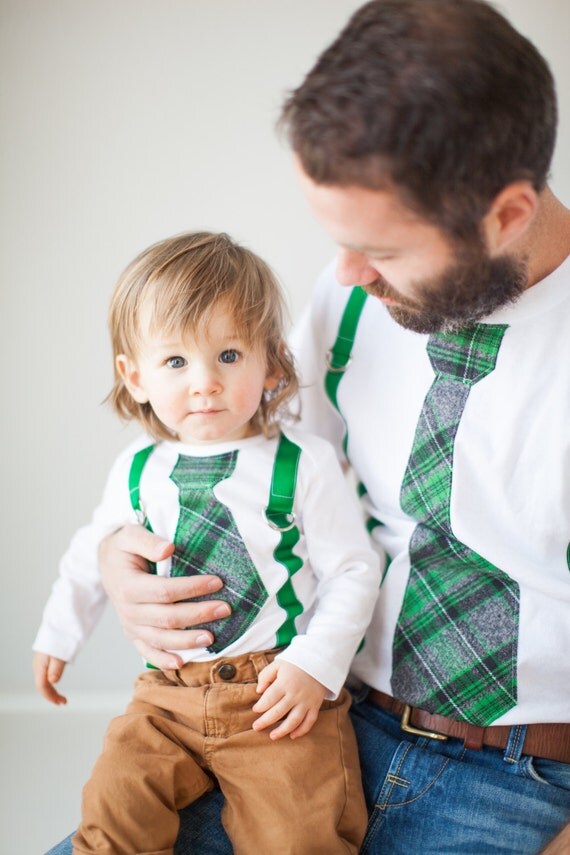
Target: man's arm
<point>152,609</point>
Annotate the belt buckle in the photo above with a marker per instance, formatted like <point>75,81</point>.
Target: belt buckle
<point>407,727</point>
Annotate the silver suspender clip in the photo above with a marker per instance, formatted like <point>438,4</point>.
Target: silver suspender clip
<point>140,514</point>
<point>289,517</point>
<point>340,369</point>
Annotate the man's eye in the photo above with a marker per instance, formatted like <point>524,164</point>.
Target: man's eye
<point>229,356</point>
<point>176,362</point>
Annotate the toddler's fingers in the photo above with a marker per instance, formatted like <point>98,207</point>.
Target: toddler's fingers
<point>294,721</point>
<point>55,670</point>
<point>266,676</point>
<point>305,725</point>
<point>274,714</point>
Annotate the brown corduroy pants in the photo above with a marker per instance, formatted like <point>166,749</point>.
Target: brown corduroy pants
<point>185,729</point>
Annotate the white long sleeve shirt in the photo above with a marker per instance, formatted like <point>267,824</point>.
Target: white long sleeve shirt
<point>336,585</point>
<point>509,502</point>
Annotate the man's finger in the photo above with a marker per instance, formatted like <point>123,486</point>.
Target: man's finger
<point>135,540</point>
<point>175,639</point>
<point>140,588</point>
<point>161,659</point>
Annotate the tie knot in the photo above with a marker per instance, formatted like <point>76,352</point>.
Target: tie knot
<point>467,355</point>
<point>203,473</point>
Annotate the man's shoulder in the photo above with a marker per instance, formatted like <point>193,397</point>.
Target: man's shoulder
<point>315,447</point>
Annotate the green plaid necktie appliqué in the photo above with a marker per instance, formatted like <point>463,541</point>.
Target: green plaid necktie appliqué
<point>455,644</point>
<point>207,541</point>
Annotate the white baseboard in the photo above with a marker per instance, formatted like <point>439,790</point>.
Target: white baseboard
<point>77,702</point>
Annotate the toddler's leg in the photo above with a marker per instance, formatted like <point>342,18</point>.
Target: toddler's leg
<point>294,797</point>
<point>145,773</point>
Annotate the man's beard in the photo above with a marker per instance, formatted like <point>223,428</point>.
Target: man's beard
<point>472,287</point>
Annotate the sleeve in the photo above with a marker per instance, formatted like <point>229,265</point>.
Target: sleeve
<point>77,598</point>
<point>347,568</point>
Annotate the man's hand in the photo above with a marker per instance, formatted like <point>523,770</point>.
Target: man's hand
<point>290,696</point>
<point>560,845</point>
<point>151,608</point>
<point>48,671</point>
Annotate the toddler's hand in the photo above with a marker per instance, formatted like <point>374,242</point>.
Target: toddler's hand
<point>290,696</point>
<point>47,671</point>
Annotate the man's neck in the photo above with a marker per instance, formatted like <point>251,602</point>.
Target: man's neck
<point>546,244</point>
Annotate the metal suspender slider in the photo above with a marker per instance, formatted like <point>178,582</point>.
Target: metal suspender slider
<point>339,356</point>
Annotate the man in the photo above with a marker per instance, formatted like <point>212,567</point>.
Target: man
<point>423,138</point>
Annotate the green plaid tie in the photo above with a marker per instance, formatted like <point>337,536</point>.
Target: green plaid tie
<point>207,541</point>
<point>455,645</point>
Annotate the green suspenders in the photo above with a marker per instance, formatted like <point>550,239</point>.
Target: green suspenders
<point>279,511</point>
<point>135,473</point>
<point>278,514</point>
<point>338,360</point>
<point>340,354</point>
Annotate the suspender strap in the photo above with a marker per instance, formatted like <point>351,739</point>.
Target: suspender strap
<point>137,466</point>
<point>279,514</point>
<point>339,356</point>
<point>135,473</point>
<point>279,511</point>
<point>338,360</point>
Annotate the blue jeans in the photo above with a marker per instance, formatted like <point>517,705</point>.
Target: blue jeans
<point>426,797</point>
<point>438,798</point>
<point>201,831</point>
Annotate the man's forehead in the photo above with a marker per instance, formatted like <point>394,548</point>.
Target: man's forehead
<point>354,199</point>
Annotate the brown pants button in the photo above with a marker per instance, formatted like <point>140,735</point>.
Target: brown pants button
<point>227,671</point>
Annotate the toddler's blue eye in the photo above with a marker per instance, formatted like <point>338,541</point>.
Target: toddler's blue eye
<point>176,362</point>
<point>229,356</point>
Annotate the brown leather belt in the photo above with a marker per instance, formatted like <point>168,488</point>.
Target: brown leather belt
<point>551,741</point>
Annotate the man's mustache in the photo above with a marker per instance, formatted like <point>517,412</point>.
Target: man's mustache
<point>380,288</point>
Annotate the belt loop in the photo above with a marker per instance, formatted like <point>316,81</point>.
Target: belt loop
<point>474,738</point>
<point>515,743</point>
<point>259,660</point>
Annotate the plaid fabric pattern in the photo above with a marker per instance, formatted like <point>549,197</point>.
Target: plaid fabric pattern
<point>207,541</point>
<point>455,644</point>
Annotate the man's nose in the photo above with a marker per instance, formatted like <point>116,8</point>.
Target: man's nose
<point>353,269</point>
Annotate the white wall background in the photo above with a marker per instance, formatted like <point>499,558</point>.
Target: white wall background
<point>122,122</point>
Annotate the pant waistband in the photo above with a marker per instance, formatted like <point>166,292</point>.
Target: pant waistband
<point>550,741</point>
<point>244,668</point>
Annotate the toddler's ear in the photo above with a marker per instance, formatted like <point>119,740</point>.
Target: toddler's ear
<point>274,374</point>
<point>129,373</point>
<point>272,382</point>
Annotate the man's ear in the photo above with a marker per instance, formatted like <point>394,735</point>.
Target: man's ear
<point>129,373</point>
<point>510,215</point>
